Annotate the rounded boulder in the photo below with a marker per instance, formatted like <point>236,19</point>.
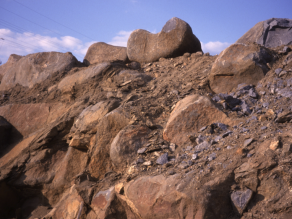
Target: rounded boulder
<point>175,39</point>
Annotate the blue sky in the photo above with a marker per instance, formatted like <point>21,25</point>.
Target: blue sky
<point>27,26</point>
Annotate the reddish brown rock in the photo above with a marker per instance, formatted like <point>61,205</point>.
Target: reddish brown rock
<point>237,64</point>
<point>175,39</point>
<point>189,115</point>
<point>27,118</point>
<point>35,68</point>
<point>132,77</point>
<point>125,145</point>
<point>106,205</point>
<point>71,206</point>
<point>106,131</point>
<point>81,76</point>
<point>13,58</point>
<point>102,52</point>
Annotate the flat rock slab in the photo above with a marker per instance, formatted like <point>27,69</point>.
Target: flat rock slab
<point>175,39</point>
<point>237,64</point>
<point>35,68</point>
<point>270,33</point>
<point>102,52</point>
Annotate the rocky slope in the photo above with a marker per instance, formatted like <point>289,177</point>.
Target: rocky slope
<point>187,135</point>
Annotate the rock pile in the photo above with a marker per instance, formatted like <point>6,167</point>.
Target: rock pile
<point>184,136</point>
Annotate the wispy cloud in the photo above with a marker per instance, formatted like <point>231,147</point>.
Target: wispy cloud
<point>27,42</point>
<point>121,39</point>
<point>214,47</point>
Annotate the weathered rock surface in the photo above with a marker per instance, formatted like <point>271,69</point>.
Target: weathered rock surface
<point>13,58</point>
<point>269,33</point>
<point>189,115</point>
<point>239,63</point>
<point>175,39</point>
<point>80,77</point>
<point>124,147</point>
<point>102,52</point>
<point>35,68</point>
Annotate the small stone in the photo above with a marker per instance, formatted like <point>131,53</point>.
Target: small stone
<point>240,151</point>
<point>264,128</point>
<point>278,70</point>
<point>247,142</point>
<point>171,172</point>
<point>245,108</point>
<point>252,93</point>
<point>266,105</point>
<point>162,159</point>
<point>226,134</point>
<point>222,126</point>
<point>147,163</point>
<point>194,156</point>
<point>211,156</point>
<point>202,129</point>
<point>229,147</point>
<point>172,147</point>
<point>217,139</point>
<point>189,148</point>
<point>141,150</point>
<point>199,139</point>
<point>282,73</point>
<point>240,199</point>
<point>183,165</point>
<point>164,147</point>
<point>244,130</point>
<point>203,146</point>
<point>262,92</point>
<point>287,149</point>
<point>218,149</point>
<point>249,155</point>
<point>274,145</point>
<point>140,160</point>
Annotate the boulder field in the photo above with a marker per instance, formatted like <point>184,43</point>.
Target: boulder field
<point>180,135</point>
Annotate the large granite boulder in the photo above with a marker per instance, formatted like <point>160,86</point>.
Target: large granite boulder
<point>190,115</point>
<point>237,64</point>
<point>175,39</point>
<point>270,33</point>
<point>102,52</point>
<point>35,68</point>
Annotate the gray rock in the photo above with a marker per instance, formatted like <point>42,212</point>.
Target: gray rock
<point>278,70</point>
<point>240,199</point>
<point>229,147</point>
<point>245,108</point>
<point>212,157</point>
<point>286,49</point>
<point>226,134</point>
<point>264,128</point>
<point>216,98</point>
<point>194,156</point>
<point>202,129</point>
<point>249,155</point>
<point>282,73</point>
<point>252,93</point>
<point>266,105</point>
<point>162,159</point>
<point>244,130</point>
<point>141,150</point>
<point>203,146</point>
<point>189,148</point>
<point>172,147</point>
<point>247,142</point>
<point>222,126</point>
<point>217,139</point>
<point>286,92</point>
<point>183,165</point>
<point>262,92</point>
<point>200,139</point>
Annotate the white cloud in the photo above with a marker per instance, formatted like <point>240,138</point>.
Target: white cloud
<point>27,43</point>
<point>214,47</point>
<point>121,39</point>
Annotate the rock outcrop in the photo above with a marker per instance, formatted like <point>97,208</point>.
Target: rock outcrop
<point>237,64</point>
<point>141,141</point>
<point>102,52</point>
<point>270,33</point>
<point>175,39</point>
<point>35,68</point>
